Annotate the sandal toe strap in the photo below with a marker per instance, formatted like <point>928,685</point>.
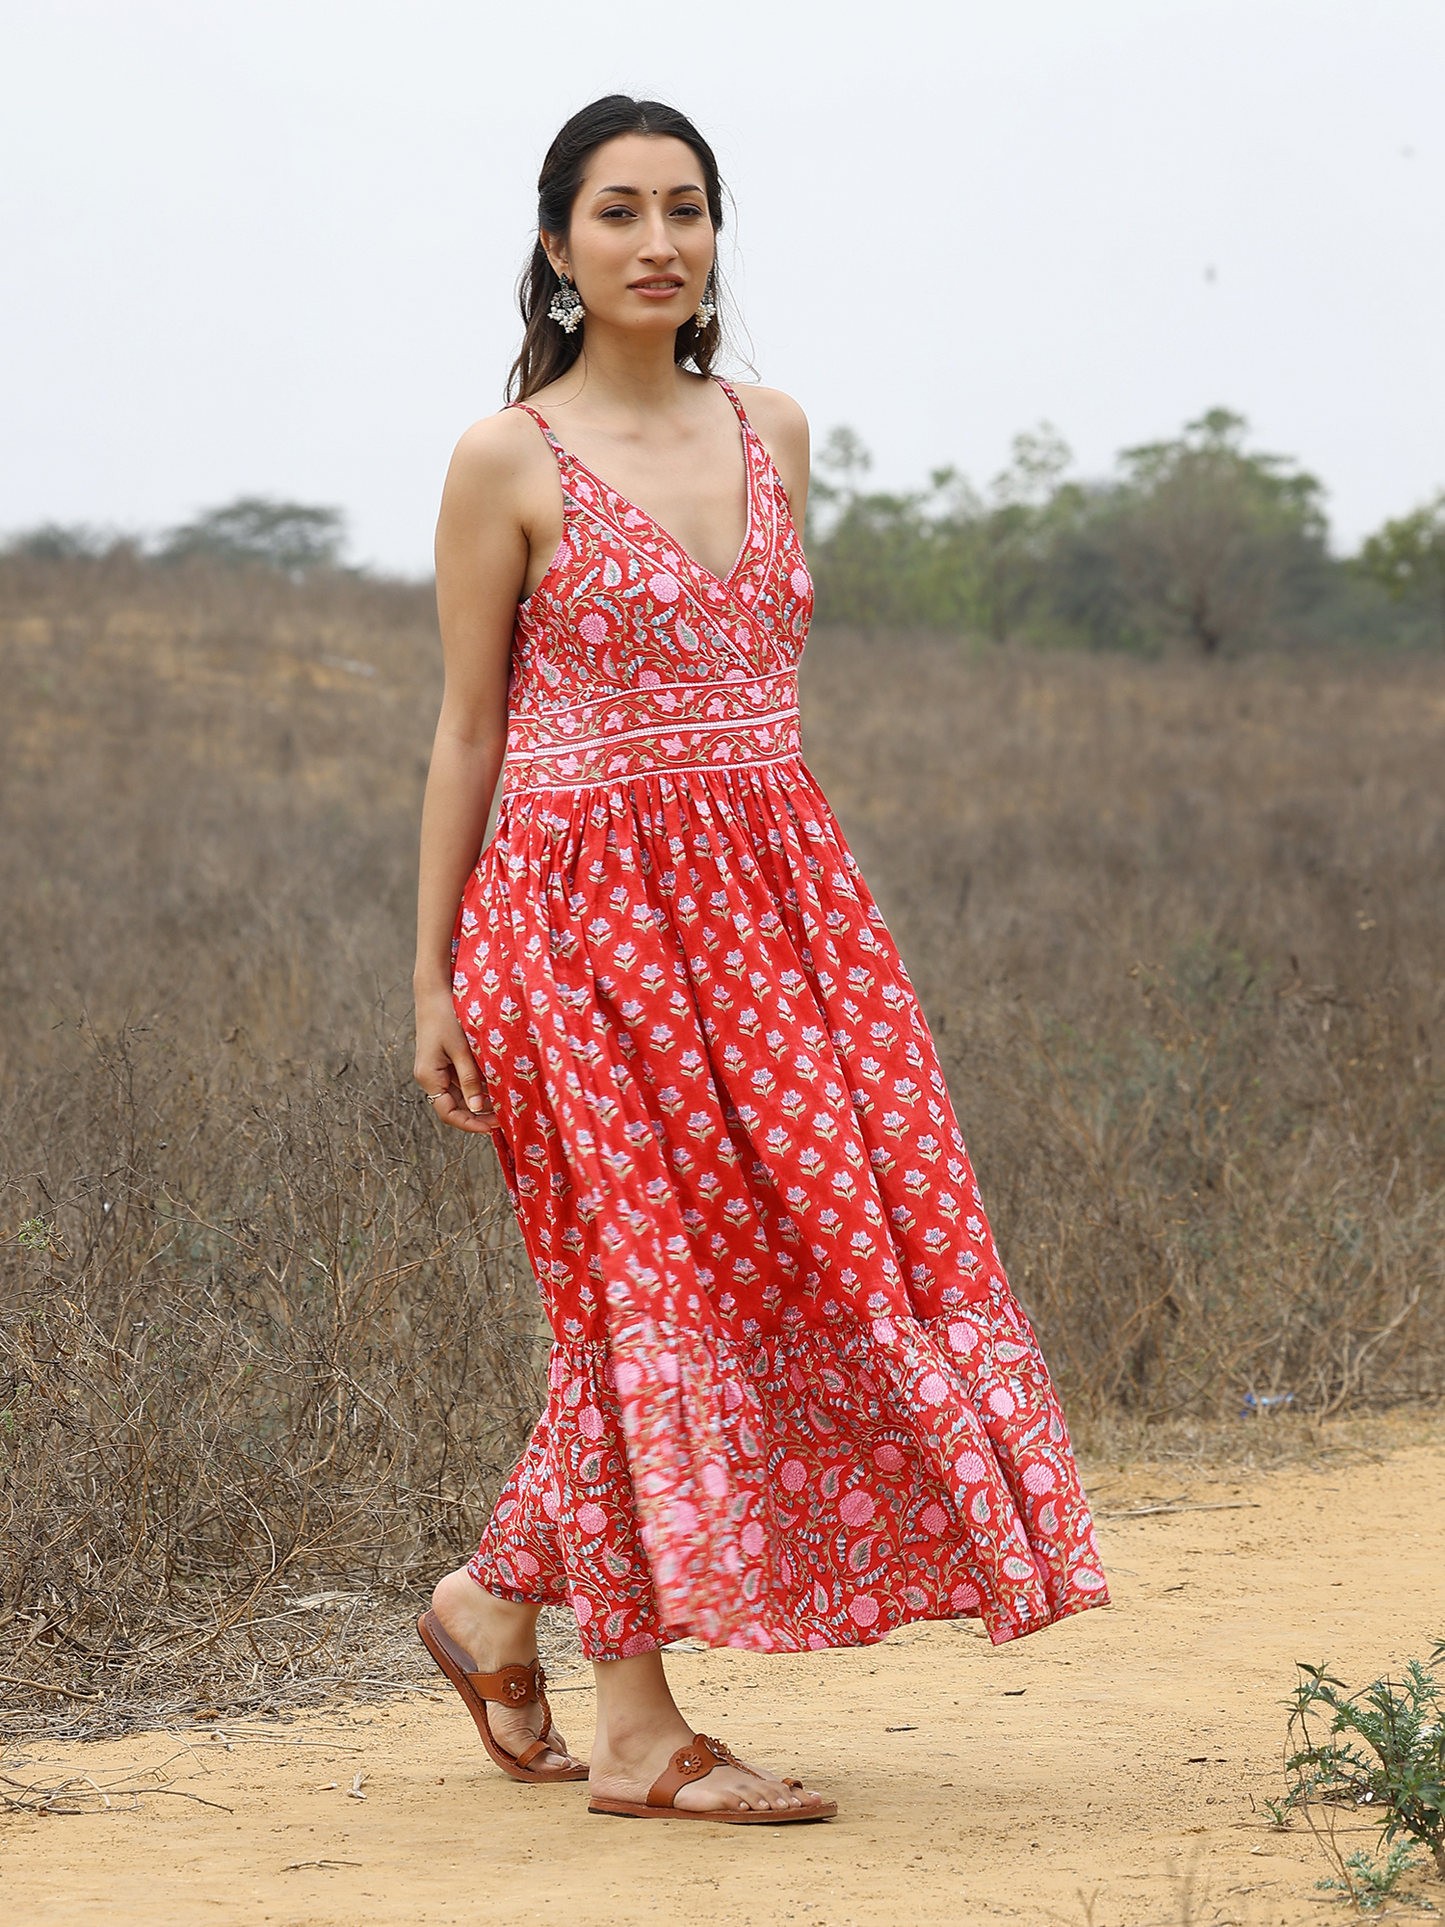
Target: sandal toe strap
<point>518,1686</point>
<point>690,1762</point>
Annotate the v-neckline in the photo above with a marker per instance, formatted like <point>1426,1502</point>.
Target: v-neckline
<point>745,429</point>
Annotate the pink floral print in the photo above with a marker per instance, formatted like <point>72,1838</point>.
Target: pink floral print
<point>792,1401</point>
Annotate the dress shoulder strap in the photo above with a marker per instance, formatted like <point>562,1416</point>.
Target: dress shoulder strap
<point>552,442</point>
<point>732,395</point>
<point>755,450</point>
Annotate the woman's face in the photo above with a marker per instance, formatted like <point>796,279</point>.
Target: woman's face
<point>641,241</point>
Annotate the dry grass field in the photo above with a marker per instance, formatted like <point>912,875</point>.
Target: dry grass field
<point>1180,928</point>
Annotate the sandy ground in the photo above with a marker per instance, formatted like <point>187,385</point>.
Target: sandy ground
<point>1107,1772</point>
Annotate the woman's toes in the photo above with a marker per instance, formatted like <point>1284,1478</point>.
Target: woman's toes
<point>515,1731</point>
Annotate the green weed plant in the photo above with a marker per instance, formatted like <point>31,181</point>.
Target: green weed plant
<point>1380,1749</point>
<point>1369,1883</point>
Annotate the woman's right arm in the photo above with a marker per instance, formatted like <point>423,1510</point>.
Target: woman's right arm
<point>481,557</point>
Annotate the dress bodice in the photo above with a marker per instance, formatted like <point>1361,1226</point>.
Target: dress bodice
<point>630,658</point>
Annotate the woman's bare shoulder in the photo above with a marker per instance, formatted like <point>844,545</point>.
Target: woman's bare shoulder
<point>498,452</point>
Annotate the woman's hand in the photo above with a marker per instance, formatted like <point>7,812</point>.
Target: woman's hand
<point>446,1069</point>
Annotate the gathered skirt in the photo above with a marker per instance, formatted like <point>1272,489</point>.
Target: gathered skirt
<point>792,1401</point>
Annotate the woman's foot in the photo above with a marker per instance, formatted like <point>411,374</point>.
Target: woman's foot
<point>496,1633</point>
<point>628,1759</point>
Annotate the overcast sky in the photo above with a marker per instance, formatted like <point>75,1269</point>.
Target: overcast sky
<point>270,245</point>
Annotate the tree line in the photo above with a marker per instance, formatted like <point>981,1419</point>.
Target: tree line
<point>253,530</point>
<point>1201,542</point>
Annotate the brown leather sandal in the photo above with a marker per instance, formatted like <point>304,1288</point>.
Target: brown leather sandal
<point>691,1762</point>
<point>512,1686</point>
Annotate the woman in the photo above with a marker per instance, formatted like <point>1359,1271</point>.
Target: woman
<point>793,1403</point>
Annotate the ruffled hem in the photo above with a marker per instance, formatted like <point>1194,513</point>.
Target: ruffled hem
<point>806,1488</point>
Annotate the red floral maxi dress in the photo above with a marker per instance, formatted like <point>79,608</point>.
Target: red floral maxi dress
<point>793,1402</point>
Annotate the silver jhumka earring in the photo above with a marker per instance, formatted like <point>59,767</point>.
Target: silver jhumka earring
<point>707,307</point>
<point>566,309</point>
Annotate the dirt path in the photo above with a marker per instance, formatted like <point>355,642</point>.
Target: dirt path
<point>1106,1772</point>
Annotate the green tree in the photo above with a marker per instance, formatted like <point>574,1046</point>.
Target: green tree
<point>868,551</point>
<point>1029,505</point>
<point>843,455</point>
<point>1407,557</point>
<point>1200,539</point>
<point>62,542</point>
<point>942,557</point>
<point>1215,542</point>
<point>255,528</point>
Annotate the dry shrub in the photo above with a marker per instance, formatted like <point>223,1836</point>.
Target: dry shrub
<point>263,1327</point>
<point>1178,927</point>
<point>247,1343</point>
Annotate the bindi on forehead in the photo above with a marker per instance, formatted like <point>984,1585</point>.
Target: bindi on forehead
<point>617,187</point>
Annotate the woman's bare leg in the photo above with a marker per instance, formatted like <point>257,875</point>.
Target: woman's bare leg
<point>639,1729</point>
<point>496,1633</point>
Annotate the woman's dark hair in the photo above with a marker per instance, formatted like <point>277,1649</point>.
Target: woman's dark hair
<point>547,349</point>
